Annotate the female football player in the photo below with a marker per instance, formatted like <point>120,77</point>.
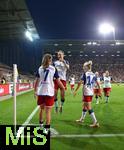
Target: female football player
<point>107,86</point>
<point>88,79</point>
<point>62,66</point>
<point>44,88</point>
<point>72,82</point>
<point>97,91</point>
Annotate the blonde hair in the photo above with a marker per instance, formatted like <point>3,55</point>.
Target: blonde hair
<point>60,51</point>
<point>88,64</point>
<point>46,59</point>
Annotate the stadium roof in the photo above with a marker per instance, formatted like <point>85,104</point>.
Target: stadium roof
<point>15,18</point>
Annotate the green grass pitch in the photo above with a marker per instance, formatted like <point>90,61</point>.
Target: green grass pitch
<point>110,117</point>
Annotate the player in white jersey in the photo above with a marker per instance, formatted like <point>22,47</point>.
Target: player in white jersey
<point>72,82</point>
<point>62,66</point>
<point>97,90</point>
<point>107,86</point>
<point>88,79</point>
<point>44,88</point>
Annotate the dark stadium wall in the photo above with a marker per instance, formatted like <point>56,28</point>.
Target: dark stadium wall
<point>27,55</point>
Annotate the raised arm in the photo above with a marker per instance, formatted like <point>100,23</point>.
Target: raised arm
<point>66,64</point>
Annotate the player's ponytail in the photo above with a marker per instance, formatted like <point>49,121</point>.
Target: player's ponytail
<point>46,59</point>
<point>88,65</point>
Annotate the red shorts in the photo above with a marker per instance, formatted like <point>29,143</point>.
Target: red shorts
<point>72,86</point>
<point>97,91</point>
<point>87,98</point>
<point>46,100</point>
<point>56,86</point>
<point>107,90</point>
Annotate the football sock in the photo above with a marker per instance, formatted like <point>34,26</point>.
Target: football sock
<point>62,102</point>
<point>97,99</point>
<point>47,129</point>
<point>107,99</point>
<point>41,123</point>
<point>84,112</point>
<point>56,103</point>
<point>92,114</point>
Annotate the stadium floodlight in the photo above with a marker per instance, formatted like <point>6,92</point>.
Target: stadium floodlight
<point>28,34</point>
<point>107,28</point>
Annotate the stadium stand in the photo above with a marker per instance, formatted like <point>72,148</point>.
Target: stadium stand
<point>106,55</point>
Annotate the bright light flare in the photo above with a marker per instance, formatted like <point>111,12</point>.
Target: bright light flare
<point>29,35</point>
<point>106,28</point>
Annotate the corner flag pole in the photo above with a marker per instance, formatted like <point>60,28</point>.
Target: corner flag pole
<point>15,74</point>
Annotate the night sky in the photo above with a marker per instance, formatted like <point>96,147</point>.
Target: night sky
<point>76,19</point>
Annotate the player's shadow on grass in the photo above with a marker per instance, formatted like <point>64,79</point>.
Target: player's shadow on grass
<point>80,126</point>
<point>70,122</point>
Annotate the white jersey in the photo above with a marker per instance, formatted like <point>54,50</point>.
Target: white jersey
<point>107,82</point>
<point>89,80</point>
<point>98,79</point>
<point>46,84</point>
<point>72,81</point>
<point>61,68</point>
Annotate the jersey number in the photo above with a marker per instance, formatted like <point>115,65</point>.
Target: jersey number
<point>89,81</point>
<point>46,74</point>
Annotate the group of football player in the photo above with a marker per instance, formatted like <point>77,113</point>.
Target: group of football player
<point>51,76</point>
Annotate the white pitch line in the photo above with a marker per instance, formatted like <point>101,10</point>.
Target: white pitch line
<point>31,116</point>
<point>21,129</point>
<point>52,130</point>
<point>4,98</point>
<point>86,135</point>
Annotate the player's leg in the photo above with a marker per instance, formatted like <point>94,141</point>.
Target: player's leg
<point>107,95</point>
<point>40,101</point>
<point>92,114</point>
<point>56,101</point>
<point>100,93</point>
<point>41,115</point>
<point>62,95</point>
<point>49,102</point>
<point>55,98</point>
<point>84,112</point>
<point>96,95</point>
<point>48,119</point>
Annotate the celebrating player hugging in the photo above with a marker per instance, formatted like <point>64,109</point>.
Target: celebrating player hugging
<point>88,79</point>
<point>62,66</point>
<point>44,88</point>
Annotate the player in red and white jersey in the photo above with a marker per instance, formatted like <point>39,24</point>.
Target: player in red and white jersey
<point>107,86</point>
<point>88,79</point>
<point>72,82</point>
<point>62,66</point>
<point>97,90</point>
<point>44,88</point>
